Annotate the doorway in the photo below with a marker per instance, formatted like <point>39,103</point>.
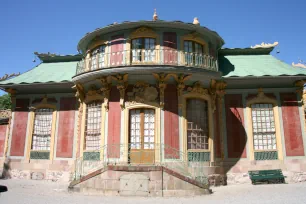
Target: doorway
<point>142,136</point>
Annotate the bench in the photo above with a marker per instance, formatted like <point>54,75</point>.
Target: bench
<point>269,176</point>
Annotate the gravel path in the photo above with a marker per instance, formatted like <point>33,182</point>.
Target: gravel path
<point>44,192</point>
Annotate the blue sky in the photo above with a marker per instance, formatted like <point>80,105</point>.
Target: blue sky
<point>56,26</point>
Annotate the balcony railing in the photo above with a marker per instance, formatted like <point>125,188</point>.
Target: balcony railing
<point>147,57</point>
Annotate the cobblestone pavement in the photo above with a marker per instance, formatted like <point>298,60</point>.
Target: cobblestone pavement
<point>45,192</point>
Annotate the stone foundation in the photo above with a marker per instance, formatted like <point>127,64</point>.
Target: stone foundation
<point>150,182</point>
<point>57,170</point>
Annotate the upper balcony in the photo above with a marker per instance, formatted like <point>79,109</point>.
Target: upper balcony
<point>150,43</point>
<point>146,57</point>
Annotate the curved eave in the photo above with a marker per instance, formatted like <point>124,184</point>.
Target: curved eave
<point>198,73</point>
<point>160,24</point>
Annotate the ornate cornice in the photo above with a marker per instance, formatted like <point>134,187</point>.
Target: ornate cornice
<point>300,90</point>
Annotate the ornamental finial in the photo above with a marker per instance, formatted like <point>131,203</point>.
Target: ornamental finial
<point>155,16</point>
<point>196,21</point>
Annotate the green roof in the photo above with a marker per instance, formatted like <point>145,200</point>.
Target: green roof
<point>45,73</point>
<point>256,66</point>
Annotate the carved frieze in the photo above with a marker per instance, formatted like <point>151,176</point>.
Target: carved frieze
<point>93,94</point>
<point>142,93</point>
<point>197,88</point>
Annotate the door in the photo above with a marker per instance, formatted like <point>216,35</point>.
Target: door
<point>142,136</point>
<point>170,48</point>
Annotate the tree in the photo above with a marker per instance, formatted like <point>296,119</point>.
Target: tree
<point>5,102</point>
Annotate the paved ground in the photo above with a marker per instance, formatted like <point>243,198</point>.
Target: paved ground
<point>42,192</point>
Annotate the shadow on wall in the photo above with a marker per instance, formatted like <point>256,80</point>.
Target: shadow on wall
<point>236,135</point>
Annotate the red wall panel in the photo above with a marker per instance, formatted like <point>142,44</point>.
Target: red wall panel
<point>117,46</point>
<point>114,123</point>
<point>20,127</point>
<point>292,125</point>
<point>236,134</point>
<point>66,128</point>
<point>3,129</point>
<point>171,118</point>
<point>170,48</point>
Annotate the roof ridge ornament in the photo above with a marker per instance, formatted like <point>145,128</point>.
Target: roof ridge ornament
<point>300,64</point>
<point>155,16</point>
<point>196,21</point>
<point>265,45</point>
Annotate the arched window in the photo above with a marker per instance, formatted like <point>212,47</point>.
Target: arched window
<point>98,58</point>
<point>41,138</point>
<point>93,126</point>
<point>143,50</point>
<point>197,124</point>
<point>194,53</point>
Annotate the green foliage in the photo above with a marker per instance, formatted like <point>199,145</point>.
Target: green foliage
<point>5,102</point>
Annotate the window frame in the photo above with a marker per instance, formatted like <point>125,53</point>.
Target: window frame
<point>30,132</point>
<point>143,49</point>
<point>183,122</point>
<point>261,98</point>
<point>95,57</point>
<point>196,60</point>
<point>85,126</point>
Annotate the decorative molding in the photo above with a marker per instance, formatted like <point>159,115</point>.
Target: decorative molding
<point>197,88</point>
<point>265,45</point>
<point>80,92</point>
<point>79,130</point>
<point>180,79</point>
<point>260,98</point>
<point>301,92</point>
<point>162,79</point>
<point>196,21</point>
<point>155,16</point>
<point>6,76</point>
<point>143,32</point>
<point>142,93</point>
<point>106,82</point>
<point>5,114</point>
<point>122,83</point>
<point>293,64</point>
<point>217,90</point>
<point>93,94</point>
<point>44,103</point>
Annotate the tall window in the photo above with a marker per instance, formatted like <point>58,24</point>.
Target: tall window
<point>98,58</point>
<point>193,53</point>
<point>197,124</point>
<point>42,129</point>
<point>93,126</point>
<point>263,127</point>
<point>143,49</point>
